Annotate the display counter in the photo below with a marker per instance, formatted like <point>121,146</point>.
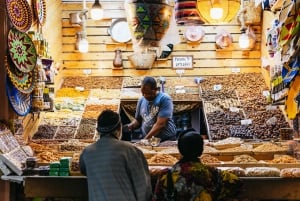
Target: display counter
<point>255,188</point>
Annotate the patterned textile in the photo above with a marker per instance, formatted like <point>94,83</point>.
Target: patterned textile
<point>194,181</point>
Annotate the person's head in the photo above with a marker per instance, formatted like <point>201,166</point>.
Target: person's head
<point>109,123</point>
<point>149,88</point>
<point>190,144</point>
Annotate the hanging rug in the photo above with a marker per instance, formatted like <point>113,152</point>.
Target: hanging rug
<point>39,7</point>
<point>292,101</point>
<point>20,14</point>
<point>22,50</point>
<point>24,82</point>
<point>20,102</point>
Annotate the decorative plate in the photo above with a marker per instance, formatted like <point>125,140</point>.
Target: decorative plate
<point>40,10</point>
<point>20,14</point>
<point>194,33</point>
<point>24,82</point>
<point>119,31</point>
<point>20,102</point>
<point>22,50</point>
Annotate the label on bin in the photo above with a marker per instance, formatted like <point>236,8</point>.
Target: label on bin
<point>246,121</point>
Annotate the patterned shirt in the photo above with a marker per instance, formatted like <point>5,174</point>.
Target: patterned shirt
<point>148,111</point>
<point>115,170</point>
<point>194,181</point>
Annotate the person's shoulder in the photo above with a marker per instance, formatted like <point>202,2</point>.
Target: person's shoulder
<point>165,96</point>
<point>89,148</point>
<point>127,144</point>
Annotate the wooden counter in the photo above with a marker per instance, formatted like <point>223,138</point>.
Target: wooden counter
<point>255,188</point>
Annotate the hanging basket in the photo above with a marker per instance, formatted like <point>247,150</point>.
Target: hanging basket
<point>142,60</point>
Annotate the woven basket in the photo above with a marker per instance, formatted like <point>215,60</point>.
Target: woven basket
<point>142,60</point>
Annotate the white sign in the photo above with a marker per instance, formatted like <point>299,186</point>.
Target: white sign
<point>246,121</point>
<point>182,62</point>
<point>235,70</point>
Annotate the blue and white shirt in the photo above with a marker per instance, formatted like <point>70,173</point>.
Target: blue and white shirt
<point>148,111</point>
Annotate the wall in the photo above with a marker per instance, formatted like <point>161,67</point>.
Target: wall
<point>207,60</point>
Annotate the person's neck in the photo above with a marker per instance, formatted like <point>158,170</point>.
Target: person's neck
<point>189,159</point>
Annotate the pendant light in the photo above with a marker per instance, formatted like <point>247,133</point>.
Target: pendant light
<point>216,10</point>
<point>96,11</point>
<point>82,44</point>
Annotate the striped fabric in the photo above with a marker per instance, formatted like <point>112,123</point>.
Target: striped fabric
<point>116,170</point>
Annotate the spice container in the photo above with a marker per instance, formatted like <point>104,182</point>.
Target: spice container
<point>31,162</point>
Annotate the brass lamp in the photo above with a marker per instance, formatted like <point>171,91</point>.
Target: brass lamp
<point>218,11</point>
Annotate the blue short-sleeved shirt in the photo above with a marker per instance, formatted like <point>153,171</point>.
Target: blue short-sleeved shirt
<point>148,111</point>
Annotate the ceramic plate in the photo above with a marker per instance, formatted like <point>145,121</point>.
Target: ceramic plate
<point>119,31</point>
<point>20,14</point>
<point>22,50</point>
<point>40,10</point>
<point>20,102</point>
<point>24,82</point>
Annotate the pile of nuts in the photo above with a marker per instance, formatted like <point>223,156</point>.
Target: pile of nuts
<point>248,91</point>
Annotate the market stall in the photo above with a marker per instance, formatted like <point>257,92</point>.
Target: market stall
<point>57,111</point>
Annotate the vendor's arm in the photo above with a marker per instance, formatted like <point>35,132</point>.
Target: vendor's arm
<point>157,127</point>
<point>137,121</point>
<point>134,124</point>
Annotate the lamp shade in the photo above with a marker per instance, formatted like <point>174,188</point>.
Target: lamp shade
<point>83,45</point>
<point>244,41</point>
<point>216,13</point>
<point>148,21</point>
<point>210,10</point>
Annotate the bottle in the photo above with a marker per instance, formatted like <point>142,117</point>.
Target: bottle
<point>48,99</point>
<point>118,62</point>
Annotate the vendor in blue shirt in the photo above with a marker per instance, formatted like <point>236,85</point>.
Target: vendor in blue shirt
<point>154,113</point>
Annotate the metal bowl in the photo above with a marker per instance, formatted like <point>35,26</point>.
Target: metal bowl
<point>154,141</point>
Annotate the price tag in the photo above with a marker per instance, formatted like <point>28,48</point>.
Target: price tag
<point>79,88</point>
<point>87,71</point>
<point>235,70</point>
<point>271,107</point>
<point>234,109</point>
<point>180,91</point>
<point>246,121</point>
<point>217,87</point>
<point>180,71</point>
<point>266,93</point>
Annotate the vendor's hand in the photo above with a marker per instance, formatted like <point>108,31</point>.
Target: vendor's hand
<point>126,128</point>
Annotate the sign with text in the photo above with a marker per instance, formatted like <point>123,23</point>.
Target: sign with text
<point>185,62</point>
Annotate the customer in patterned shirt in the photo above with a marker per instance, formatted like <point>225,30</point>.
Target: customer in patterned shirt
<point>116,170</point>
<point>189,179</point>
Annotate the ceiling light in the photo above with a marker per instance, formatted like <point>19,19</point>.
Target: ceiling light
<point>96,11</point>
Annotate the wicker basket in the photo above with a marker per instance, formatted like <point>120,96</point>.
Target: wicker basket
<point>142,60</point>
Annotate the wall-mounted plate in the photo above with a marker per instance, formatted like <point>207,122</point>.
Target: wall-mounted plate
<point>119,31</point>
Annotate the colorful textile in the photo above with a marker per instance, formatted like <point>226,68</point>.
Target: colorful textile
<point>194,181</point>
